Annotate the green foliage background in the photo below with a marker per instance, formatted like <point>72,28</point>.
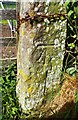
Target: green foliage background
<point>10,106</point>
<point>71,64</point>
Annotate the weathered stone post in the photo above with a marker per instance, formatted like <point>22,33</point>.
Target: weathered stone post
<point>39,58</point>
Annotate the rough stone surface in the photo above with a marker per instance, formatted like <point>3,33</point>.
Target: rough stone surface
<point>40,57</point>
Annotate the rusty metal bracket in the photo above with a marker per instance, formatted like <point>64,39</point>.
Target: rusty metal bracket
<point>38,17</point>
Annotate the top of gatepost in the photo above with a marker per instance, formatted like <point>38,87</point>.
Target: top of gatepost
<point>36,0</point>
<point>32,0</point>
<point>8,0</point>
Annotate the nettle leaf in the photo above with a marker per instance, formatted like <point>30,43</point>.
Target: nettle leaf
<point>7,78</point>
<point>74,36</point>
<point>1,80</point>
<point>66,3</point>
<point>70,13</point>
<point>71,70</point>
<point>71,45</point>
<point>12,73</point>
<point>76,10</point>
<point>14,110</point>
<point>75,5</point>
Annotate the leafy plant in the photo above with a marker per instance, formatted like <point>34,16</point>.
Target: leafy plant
<point>71,60</point>
<point>71,71</point>
<point>76,101</point>
<point>10,106</point>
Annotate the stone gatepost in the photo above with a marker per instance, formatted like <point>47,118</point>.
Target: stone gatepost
<point>40,53</point>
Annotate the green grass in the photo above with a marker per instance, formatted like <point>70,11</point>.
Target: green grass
<point>9,6</point>
<point>4,22</point>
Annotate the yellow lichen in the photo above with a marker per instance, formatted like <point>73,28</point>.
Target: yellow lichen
<point>24,76</point>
